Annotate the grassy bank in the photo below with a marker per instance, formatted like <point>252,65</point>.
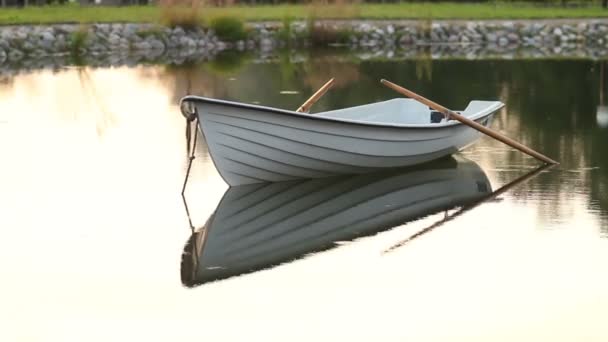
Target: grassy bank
<point>75,13</point>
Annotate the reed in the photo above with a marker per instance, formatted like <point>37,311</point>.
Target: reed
<point>186,14</point>
<point>77,40</point>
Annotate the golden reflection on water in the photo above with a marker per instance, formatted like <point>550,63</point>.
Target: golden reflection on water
<point>92,227</point>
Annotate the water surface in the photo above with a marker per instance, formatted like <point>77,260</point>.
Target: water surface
<point>92,224</point>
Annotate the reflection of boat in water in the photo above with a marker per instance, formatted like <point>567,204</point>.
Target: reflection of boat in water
<point>260,225</point>
<point>253,144</point>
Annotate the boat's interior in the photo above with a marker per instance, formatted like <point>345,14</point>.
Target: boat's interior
<point>402,111</point>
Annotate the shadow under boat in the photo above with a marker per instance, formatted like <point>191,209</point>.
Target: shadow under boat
<point>258,226</point>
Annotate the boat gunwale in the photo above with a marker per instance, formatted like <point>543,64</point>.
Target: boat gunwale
<point>476,116</point>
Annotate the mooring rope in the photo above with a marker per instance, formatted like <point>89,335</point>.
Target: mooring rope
<point>191,120</point>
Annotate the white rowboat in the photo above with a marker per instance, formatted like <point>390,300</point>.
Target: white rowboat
<point>253,144</point>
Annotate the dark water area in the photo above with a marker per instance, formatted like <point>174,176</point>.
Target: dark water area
<point>95,243</point>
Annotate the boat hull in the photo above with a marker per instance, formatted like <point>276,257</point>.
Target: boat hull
<point>250,145</point>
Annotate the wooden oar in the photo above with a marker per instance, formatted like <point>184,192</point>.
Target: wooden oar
<point>315,97</point>
<point>483,129</point>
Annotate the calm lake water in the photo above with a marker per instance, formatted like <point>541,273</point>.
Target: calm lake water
<point>93,227</point>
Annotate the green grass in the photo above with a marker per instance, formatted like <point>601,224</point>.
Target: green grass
<point>75,13</point>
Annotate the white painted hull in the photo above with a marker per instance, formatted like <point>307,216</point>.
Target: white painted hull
<point>253,144</point>
<point>260,225</point>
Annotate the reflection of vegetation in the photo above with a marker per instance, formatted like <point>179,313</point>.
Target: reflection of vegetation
<point>196,79</point>
<point>229,29</point>
<point>321,34</point>
<point>288,69</point>
<point>7,82</point>
<point>228,62</point>
<point>424,66</point>
<point>323,66</point>
<point>90,92</point>
<point>285,32</point>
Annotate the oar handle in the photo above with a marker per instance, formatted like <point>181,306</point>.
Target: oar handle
<point>304,108</point>
<point>483,129</point>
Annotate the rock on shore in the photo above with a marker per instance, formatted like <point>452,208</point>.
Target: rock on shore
<point>153,41</point>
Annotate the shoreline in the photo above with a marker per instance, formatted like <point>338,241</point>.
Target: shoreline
<point>567,37</point>
<point>424,55</point>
